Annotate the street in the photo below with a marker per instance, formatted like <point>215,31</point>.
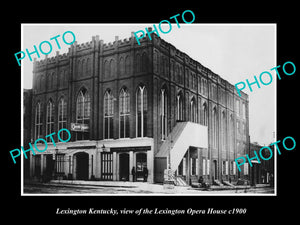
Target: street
<point>137,188</point>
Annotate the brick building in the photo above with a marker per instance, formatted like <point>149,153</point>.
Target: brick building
<point>143,106</point>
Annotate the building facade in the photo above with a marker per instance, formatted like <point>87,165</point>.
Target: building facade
<point>261,172</point>
<point>130,107</point>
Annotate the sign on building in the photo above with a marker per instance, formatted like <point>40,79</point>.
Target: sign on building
<point>81,127</point>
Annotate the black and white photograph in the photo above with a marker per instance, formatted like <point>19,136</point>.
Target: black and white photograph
<point>149,112</point>
<point>148,117</point>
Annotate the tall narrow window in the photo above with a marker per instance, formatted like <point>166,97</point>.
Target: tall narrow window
<point>204,114</point>
<point>223,131</point>
<point>244,110</point>
<point>180,106</point>
<point>83,114</point>
<point>38,121</point>
<point>215,132</point>
<point>163,113</point>
<point>50,119</point>
<point>231,139</point>
<point>237,107</point>
<point>108,115</point>
<point>124,101</point>
<point>142,108</point>
<point>193,113</point>
<point>62,116</point>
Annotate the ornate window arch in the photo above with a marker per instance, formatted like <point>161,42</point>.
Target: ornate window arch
<point>62,115</point>
<point>83,109</point>
<point>193,110</point>
<point>50,119</point>
<point>141,111</point>
<point>124,112</point>
<point>38,120</point>
<point>108,115</point>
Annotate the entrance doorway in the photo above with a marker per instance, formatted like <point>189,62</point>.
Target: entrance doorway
<point>82,166</point>
<point>49,170</point>
<point>124,167</point>
<point>106,166</point>
<point>215,170</point>
<point>141,163</point>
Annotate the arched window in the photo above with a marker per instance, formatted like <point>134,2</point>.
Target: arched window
<point>62,116</point>
<point>231,139</point>
<point>124,107</point>
<point>180,106</point>
<point>108,115</point>
<point>141,111</point>
<point>38,121</point>
<point>193,111</point>
<point>204,108</point>
<point>223,123</point>
<point>163,112</point>
<point>83,114</point>
<point>215,127</point>
<point>50,119</point>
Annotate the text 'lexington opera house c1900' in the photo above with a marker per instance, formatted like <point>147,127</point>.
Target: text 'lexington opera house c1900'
<point>128,105</point>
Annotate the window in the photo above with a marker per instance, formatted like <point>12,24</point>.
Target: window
<point>246,168</point>
<point>193,112</point>
<point>163,113</point>
<point>60,163</point>
<point>127,64</point>
<point>124,107</point>
<point>180,106</point>
<point>204,114</point>
<point>223,167</point>
<point>231,139</point>
<point>83,113</point>
<point>38,121</point>
<point>215,132</point>
<point>207,167</point>
<point>50,119</point>
<point>244,110</point>
<point>237,107</point>
<point>142,108</point>
<point>62,116</point>
<point>193,166</point>
<point>224,131</point>
<point>204,166</point>
<point>108,115</point>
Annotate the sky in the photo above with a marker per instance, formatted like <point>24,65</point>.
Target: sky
<point>235,52</point>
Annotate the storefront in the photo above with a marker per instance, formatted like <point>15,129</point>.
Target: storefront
<point>96,160</point>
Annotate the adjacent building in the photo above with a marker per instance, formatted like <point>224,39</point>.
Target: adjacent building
<point>130,107</point>
<point>262,171</point>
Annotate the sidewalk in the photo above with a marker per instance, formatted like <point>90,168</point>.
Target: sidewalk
<point>149,186</point>
<point>143,186</point>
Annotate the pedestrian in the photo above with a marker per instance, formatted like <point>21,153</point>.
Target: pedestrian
<point>133,174</point>
<point>145,171</point>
